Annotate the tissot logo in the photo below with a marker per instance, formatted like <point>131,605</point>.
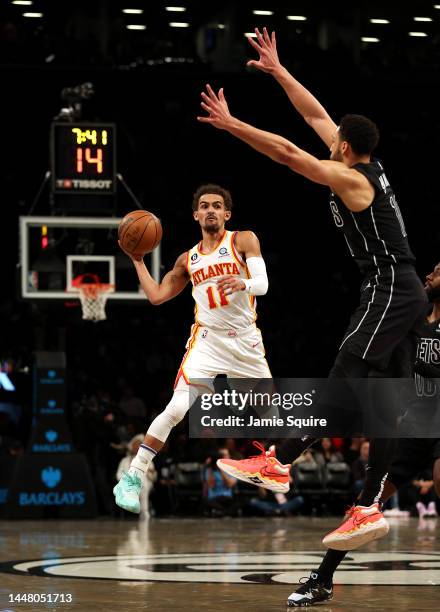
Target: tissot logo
<point>194,257</point>
<point>377,568</point>
<point>223,251</point>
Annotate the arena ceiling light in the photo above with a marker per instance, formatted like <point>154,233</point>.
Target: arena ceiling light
<point>258,12</point>
<point>296,18</point>
<point>136,26</point>
<point>422,19</point>
<point>220,26</point>
<point>178,24</point>
<point>22,2</point>
<point>383,21</point>
<point>33,15</point>
<point>250,35</point>
<point>370,39</point>
<point>437,6</point>
<point>418,34</point>
<point>175,9</point>
<point>133,11</point>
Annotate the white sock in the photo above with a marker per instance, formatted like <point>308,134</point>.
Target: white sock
<point>141,462</point>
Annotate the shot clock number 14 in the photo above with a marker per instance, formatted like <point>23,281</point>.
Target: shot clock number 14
<point>83,158</point>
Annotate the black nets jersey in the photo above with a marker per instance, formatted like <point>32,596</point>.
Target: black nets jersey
<point>428,359</point>
<point>422,408</point>
<point>375,236</point>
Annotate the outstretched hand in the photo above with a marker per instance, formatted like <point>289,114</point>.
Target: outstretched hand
<point>267,50</point>
<point>216,107</point>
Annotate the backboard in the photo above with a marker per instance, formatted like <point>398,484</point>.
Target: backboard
<point>55,250</point>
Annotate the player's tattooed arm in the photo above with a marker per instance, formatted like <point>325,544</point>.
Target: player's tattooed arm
<point>304,102</point>
<point>171,285</point>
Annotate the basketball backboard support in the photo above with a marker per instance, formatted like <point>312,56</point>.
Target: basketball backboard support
<point>74,246</point>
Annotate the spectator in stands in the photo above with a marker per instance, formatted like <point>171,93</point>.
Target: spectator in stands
<point>218,487</point>
<point>276,504</point>
<point>231,446</point>
<point>352,452</point>
<point>124,464</point>
<point>326,453</point>
<point>358,468</point>
<point>422,493</point>
<point>131,405</point>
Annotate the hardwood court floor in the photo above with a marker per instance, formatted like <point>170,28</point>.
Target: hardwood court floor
<point>221,564</point>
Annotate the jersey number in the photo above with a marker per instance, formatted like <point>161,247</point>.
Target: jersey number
<point>339,222</point>
<point>212,300</point>
<point>394,205</point>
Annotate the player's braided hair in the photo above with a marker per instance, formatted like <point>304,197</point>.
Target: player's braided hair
<point>360,133</point>
<point>211,188</point>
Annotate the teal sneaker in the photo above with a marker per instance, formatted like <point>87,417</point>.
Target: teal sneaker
<point>127,493</point>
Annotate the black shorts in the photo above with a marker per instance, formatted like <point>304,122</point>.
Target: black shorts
<point>389,318</point>
<point>414,455</point>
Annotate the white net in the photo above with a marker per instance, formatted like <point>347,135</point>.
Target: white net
<point>93,300</point>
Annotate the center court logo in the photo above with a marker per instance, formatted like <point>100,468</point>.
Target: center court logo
<point>358,568</point>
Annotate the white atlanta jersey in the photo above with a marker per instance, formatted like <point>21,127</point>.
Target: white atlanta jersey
<point>213,309</point>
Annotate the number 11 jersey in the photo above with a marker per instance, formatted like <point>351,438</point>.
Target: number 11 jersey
<point>214,309</point>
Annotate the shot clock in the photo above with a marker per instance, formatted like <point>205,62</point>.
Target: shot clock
<point>83,157</point>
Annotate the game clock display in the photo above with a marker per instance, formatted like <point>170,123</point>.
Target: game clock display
<point>83,158</point>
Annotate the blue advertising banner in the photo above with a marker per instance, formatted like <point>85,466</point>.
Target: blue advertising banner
<point>57,486</point>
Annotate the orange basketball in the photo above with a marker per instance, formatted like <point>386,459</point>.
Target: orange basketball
<point>140,232</point>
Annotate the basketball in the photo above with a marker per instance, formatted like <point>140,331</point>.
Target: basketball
<point>140,232</point>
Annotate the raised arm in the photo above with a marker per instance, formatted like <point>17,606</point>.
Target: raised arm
<point>171,285</point>
<point>352,187</point>
<point>305,103</point>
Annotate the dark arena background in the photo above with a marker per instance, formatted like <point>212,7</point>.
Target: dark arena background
<point>76,394</point>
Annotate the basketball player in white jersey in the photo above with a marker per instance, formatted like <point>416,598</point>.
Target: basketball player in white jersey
<point>227,272</point>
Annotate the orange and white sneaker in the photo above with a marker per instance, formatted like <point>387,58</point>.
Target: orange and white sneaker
<point>262,470</point>
<point>362,525</point>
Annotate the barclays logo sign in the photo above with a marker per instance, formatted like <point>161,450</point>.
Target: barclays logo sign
<point>52,377</point>
<point>51,408</point>
<point>51,476</point>
<point>51,436</point>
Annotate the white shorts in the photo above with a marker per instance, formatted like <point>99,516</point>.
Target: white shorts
<point>238,354</point>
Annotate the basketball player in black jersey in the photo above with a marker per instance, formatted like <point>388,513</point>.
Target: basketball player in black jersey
<point>414,455</point>
<point>381,338</point>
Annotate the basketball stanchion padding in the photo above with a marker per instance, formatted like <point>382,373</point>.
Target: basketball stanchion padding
<point>93,296</point>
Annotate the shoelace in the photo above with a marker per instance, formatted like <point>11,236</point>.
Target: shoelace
<point>309,582</point>
<point>349,511</point>
<point>260,448</point>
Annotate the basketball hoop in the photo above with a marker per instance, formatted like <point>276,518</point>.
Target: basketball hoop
<point>93,296</point>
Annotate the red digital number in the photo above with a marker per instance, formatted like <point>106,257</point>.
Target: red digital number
<point>89,159</point>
